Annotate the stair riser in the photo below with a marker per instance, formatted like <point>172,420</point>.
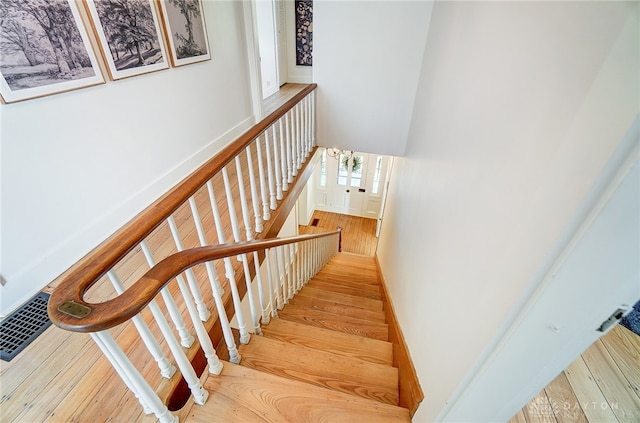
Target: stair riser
<point>336,308</point>
<point>338,323</point>
<point>344,290</point>
<point>350,300</point>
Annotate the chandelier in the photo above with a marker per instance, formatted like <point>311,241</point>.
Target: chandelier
<point>336,152</point>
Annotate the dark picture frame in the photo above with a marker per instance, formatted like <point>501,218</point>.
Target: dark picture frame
<point>304,32</point>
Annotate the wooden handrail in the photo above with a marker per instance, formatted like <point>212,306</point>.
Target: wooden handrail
<point>88,270</point>
<point>120,309</point>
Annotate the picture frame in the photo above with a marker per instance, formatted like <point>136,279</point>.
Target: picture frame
<point>304,32</point>
<point>185,31</point>
<point>44,49</point>
<point>129,35</point>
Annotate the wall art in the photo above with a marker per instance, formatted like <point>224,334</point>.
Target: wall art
<point>304,32</point>
<point>129,35</point>
<point>185,31</point>
<point>44,49</point>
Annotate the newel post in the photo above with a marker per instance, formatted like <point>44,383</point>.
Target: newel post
<point>339,239</point>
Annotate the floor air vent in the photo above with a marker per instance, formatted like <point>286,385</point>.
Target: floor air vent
<point>23,326</point>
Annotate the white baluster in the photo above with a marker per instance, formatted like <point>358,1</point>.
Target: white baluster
<point>283,275</point>
<point>236,235</point>
<point>276,164</point>
<point>279,286</point>
<point>254,192</point>
<point>305,129</point>
<point>215,365</point>
<point>234,356</point>
<point>298,263</point>
<point>211,271</point>
<point>231,207</point>
<point>252,305</point>
<point>263,306</point>
<point>288,147</point>
<point>186,339</point>
<point>272,194</point>
<point>299,151</point>
<point>274,310</point>
<point>266,214</point>
<point>309,124</point>
<point>294,266</point>
<point>132,378</point>
<point>294,144</point>
<point>189,375</point>
<point>286,288</point>
<point>292,258</point>
<point>242,327</point>
<point>309,138</point>
<point>313,118</point>
<point>307,259</point>
<point>287,258</point>
<point>283,156</point>
<point>203,311</point>
<point>166,368</point>
<point>243,201</point>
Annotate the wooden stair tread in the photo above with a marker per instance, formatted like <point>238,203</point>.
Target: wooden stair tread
<point>367,349</point>
<point>337,308</point>
<point>341,298</point>
<point>339,280</point>
<point>345,374</point>
<point>350,270</point>
<point>241,394</point>
<point>328,286</point>
<point>353,257</point>
<point>354,326</point>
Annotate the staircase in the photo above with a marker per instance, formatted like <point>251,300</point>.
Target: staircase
<point>326,358</point>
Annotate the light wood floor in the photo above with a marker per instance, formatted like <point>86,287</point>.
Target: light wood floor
<point>358,233</point>
<point>602,385</point>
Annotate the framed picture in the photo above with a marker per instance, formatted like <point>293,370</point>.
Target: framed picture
<point>185,30</point>
<point>129,35</point>
<point>304,32</point>
<point>44,49</point>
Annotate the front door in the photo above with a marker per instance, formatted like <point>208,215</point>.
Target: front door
<point>352,183</point>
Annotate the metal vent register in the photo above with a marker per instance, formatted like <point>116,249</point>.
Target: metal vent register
<point>23,326</point>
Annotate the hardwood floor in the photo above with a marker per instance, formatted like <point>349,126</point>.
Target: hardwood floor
<point>602,385</point>
<point>274,101</point>
<point>358,233</point>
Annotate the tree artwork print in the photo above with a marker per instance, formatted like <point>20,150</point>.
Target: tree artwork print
<point>44,49</point>
<point>129,35</point>
<point>186,31</point>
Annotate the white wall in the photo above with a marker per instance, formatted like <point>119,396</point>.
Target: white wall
<point>367,58</point>
<point>519,107</point>
<point>76,166</point>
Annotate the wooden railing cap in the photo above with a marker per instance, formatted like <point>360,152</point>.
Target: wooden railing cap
<point>68,309</point>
